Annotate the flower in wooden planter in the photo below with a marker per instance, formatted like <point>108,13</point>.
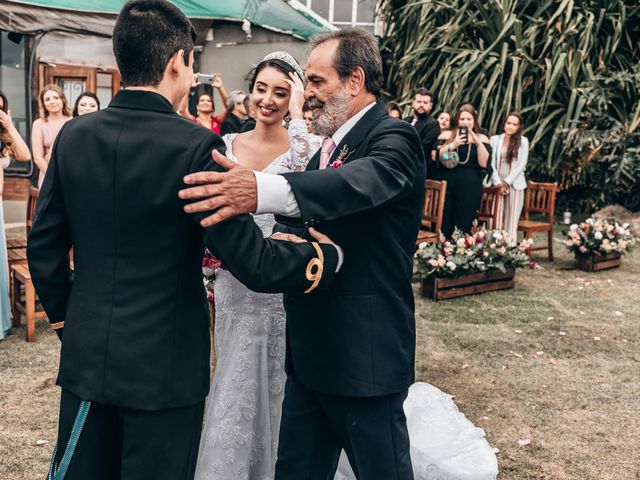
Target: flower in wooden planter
<point>463,254</point>
<point>599,237</point>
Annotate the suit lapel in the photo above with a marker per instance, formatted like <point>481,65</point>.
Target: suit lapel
<point>354,138</point>
<point>358,133</point>
<point>314,163</point>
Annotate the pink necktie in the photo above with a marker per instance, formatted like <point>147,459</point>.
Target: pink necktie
<point>325,153</point>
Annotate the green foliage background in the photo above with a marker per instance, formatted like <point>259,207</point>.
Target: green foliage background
<point>571,67</point>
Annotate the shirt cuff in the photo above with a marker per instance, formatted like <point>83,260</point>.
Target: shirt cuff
<point>275,195</point>
<point>340,258</point>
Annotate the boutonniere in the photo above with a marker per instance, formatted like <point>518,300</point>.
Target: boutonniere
<point>342,157</point>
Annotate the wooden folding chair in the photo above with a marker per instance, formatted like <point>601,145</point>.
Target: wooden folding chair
<point>32,203</point>
<point>489,203</point>
<point>540,199</point>
<point>432,211</point>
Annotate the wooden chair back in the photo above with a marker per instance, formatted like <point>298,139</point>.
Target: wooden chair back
<point>433,209</point>
<point>32,202</point>
<point>540,199</point>
<point>488,211</point>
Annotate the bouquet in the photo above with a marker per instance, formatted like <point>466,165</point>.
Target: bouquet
<point>210,266</point>
<point>483,251</point>
<point>599,237</point>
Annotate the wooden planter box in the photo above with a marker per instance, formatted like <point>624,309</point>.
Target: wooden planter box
<point>444,288</point>
<point>595,263</point>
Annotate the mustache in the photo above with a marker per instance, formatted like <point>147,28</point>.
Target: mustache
<point>315,103</point>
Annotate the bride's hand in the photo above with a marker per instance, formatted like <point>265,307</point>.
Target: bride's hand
<point>288,237</point>
<point>296,100</point>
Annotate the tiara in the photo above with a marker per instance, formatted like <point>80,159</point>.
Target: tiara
<point>286,58</point>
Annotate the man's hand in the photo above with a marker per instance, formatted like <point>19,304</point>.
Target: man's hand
<point>232,193</point>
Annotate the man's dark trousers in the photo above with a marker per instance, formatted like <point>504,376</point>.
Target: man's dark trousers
<point>120,443</point>
<point>316,427</point>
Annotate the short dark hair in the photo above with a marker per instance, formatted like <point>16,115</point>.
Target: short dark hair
<point>424,92</point>
<point>279,65</point>
<point>85,94</point>
<point>146,35</point>
<point>356,48</point>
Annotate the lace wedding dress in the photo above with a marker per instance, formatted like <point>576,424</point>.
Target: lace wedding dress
<point>242,417</point>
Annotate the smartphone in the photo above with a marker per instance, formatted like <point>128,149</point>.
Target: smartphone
<point>204,78</point>
<point>464,131</point>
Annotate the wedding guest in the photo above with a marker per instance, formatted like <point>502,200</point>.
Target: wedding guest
<point>427,127</point>
<point>236,113</point>
<point>462,159</point>
<point>307,114</point>
<point>250,123</point>
<point>250,326</point>
<point>205,106</point>
<point>510,153</point>
<point>86,103</point>
<point>394,110</point>
<point>12,146</point>
<point>54,113</point>
<point>444,120</point>
<point>205,115</point>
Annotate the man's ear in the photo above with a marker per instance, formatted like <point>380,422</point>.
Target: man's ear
<point>176,62</point>
<point>356,81</point>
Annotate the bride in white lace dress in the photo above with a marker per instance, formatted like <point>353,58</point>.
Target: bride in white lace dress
<point>242,418</point>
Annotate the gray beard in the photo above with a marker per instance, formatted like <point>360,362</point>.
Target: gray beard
<point>332,115</point>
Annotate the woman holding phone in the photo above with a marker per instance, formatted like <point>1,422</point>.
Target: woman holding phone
<point>464,152</point>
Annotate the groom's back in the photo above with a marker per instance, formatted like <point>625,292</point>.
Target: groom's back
<point>137,306</point>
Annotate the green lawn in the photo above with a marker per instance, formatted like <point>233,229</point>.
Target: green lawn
<point>573,394</point>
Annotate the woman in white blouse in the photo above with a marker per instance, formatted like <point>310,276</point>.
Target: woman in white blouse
<point>510,153</point>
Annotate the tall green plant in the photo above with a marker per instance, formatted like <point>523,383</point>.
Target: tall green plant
<point>531,56</point>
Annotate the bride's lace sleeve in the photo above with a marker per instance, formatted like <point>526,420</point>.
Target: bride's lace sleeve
<point>303,146</point>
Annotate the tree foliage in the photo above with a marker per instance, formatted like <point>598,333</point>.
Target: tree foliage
<point>569,66</point>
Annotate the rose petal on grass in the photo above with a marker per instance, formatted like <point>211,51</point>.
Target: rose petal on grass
<point>524,442</point>
<point>539,352</point>
<point>466,365</point>
<point>41,443</point>
<point>552,360</point>
<point>596,338</point>
<point>513,354</point>
<point>518,331</point>
<point>484,418</point>
<point>562,334</point>
<point>550,318</point>
<point>618,313</point>
<point>495,450</point>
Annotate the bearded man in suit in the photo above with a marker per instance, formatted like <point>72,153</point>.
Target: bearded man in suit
<point>351,348</point>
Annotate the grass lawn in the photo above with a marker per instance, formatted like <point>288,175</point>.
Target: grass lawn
<point>555,361</point>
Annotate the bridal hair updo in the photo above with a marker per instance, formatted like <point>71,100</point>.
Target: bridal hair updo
<point>278,64</point>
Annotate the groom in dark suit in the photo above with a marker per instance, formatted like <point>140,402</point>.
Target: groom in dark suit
<point>134,366</point>
<point>351,348</point>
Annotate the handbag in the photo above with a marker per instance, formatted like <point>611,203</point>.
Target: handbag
<point>452,159</point>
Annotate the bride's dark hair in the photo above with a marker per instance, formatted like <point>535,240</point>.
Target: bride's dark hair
<point>279,65</point>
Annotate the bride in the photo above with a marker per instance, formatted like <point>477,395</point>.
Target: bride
<point>240,433</point>
<point>242,418</point>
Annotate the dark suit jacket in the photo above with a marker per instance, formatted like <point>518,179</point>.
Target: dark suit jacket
<point>231,124</point>
<point>428,129</point>
<point>136,318</point>
<point>357,338</point>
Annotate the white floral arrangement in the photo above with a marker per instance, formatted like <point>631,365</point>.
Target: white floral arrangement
<point>597,236</point>
<point>483,251</point>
